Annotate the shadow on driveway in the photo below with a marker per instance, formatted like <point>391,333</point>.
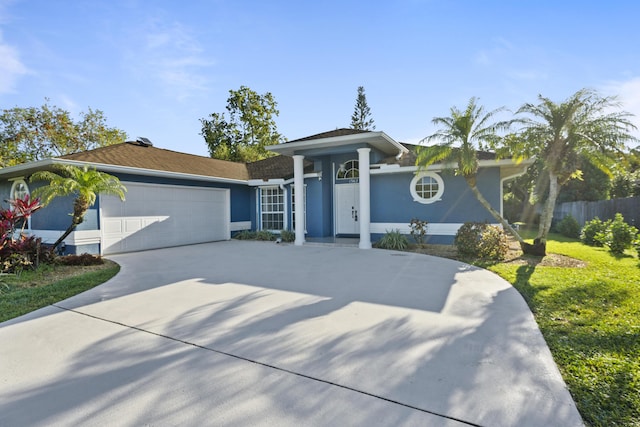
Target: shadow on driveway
<point>239,333</point>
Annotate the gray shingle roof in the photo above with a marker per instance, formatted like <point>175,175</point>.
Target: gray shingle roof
<point>132,154</point>
<point>330,134</point>
<point>275,167</point>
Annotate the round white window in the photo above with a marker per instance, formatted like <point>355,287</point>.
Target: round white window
<point>427,187</point>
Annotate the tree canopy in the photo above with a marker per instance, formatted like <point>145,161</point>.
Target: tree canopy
<point>361,117</point>
<point>249,128</point>
<point>458,138</point>
<point>586,127</point>
<point>35,133</point>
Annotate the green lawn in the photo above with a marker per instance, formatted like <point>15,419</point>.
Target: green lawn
<point>32,290</point>
<point>590,318</point>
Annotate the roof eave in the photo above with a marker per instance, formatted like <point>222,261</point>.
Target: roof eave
<point>28,168</point>
<point>502,164</point>
<point>292,148</point>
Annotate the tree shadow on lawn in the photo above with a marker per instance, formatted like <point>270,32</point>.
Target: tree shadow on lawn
<point>597,348</point>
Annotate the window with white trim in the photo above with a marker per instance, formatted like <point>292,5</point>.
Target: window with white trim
<point>348,170</point>
<point>293,208</point>
<point>19,189</point>
<point>427,187</point>
<point>271,208</point>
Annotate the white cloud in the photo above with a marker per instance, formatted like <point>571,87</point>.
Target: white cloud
<point>172,56</point>
<point>516,63</point>
<point>628,93</point>
<point>11,68</point>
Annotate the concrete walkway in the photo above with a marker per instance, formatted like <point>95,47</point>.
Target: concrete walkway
<point>255,333</point>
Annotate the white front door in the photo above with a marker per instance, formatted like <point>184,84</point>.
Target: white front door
<point>347,208</point>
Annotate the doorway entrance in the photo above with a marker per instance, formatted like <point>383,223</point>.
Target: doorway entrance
<point>347,208</point>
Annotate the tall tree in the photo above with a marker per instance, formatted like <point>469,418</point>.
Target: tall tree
<point>458,139</point>
<point>586,125</point>
<point>592,184</point>
<point>361,117</point>
<point>248,130</point>
<point>85,183</point>
<point>34,133</point>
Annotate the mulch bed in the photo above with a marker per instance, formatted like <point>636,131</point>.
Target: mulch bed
<point>514,256</point>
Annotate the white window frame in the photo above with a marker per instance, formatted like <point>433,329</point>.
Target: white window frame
<point>14,185</point>
<point>348,169</point>
<point>293,208</point>
<point>270,204</point>
<point>427,200</point>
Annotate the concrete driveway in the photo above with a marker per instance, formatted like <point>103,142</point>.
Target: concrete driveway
<point>253,333</point>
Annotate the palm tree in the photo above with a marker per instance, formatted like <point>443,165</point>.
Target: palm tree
<point>83,182</point>
<point>458,138</point>
<point>586,125</point>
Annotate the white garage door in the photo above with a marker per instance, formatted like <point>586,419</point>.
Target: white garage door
<point>159,216</point>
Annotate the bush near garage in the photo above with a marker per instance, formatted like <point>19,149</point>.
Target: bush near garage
<point>83,259</point>
<point>17,250</point>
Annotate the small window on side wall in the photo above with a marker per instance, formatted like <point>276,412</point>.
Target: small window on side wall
<point>19,189</point>
<point>427,187</point>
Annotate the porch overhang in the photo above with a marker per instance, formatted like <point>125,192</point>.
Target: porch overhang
<point>378,140</point>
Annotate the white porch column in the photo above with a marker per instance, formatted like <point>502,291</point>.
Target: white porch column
<point>298,185</point>
<point>365,198</point>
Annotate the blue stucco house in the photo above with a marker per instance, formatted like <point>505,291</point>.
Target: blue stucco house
<point>353,183</point>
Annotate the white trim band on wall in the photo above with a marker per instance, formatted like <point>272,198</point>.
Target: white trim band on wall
<point>76,238</point>
<point>240,225</point>
<point>434,229</point>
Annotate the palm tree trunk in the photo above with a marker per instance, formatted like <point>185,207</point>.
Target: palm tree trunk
<point>64,236</point>
<point>547,212</point>
<point>80,207</point>
<point>494,213</point>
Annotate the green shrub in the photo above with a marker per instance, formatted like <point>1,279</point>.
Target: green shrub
<point>493,244</point>
<point>592,229</point>
<point>481,240</point>
<point>83,259</point>
<point>618,236</point>
<point>468,238</point>
<point>245,235</point>
<point>569,227</point>
<point>393,240</point>
<point>265,235</point>
<point>418,230</point>
<point>288,236</point>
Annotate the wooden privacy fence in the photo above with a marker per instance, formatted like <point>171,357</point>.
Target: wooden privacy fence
<point>629,207</point>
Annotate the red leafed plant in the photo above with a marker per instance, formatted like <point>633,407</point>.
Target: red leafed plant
<point>18,252</point>
<point>24,208</point>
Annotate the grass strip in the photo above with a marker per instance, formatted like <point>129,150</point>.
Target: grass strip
<point>16,299</point>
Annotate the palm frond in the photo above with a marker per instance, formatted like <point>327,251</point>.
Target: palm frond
<point>463,132</point>
<point>83,182</point>
<point>429,155</point>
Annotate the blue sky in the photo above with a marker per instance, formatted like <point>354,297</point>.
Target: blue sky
<point>156,67</point>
